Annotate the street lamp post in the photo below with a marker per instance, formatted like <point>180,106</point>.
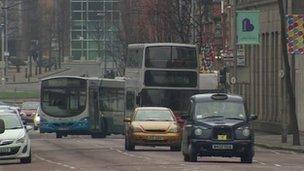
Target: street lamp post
<point>104,45</point>
<point>3,64</point>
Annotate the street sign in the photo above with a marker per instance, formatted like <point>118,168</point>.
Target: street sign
<point>241,61</point>
<point>248,27</point>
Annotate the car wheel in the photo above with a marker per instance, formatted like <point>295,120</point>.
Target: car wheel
<point>129,146</point>
<point>26,159</point>
<point>175,148</point>
<point>192,153</point>
<point>248,155</point>
<point>58,135</point>
<point>35,127</point>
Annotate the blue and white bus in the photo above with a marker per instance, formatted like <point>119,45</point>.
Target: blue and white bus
<point>81,106</point>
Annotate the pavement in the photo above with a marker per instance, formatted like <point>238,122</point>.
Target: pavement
<point>19,77</point>
<point>272,141</point>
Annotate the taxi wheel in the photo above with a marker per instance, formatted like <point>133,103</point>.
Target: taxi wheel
<point>192,153</point>
<point>248,156</point>
<point>129,146</point>
<point>186,157</point>
<point>26,159</point>
<point>175,148</point>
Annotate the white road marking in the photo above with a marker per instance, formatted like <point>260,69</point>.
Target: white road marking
<point>52,162</point>
<point>277,165</point>
<point>275,152</point>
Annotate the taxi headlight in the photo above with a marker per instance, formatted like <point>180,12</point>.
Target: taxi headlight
<point>243,133</point>
<point>198,131</point>
<point>246,132</point>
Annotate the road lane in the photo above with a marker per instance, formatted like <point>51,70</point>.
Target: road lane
<point>84,153</point>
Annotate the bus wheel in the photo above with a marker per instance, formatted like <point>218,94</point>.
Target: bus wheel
<point>58,135</point>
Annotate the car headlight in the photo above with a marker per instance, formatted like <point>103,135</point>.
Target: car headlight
<point>21,140</point>
<point>136,129</point>
<point>174,130</point>
<point>198,131</point>
<point>243,132</point>
<point>246,132</point>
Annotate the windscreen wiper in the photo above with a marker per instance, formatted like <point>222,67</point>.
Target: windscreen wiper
<point>208,117</point>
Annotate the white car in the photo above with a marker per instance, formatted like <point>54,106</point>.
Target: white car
<point>14,141</point>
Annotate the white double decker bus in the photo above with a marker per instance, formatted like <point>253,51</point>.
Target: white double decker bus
<point>161,74</point>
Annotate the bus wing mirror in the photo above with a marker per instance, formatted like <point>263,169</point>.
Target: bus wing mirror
<point>2,126</point>
<point>127,120</point>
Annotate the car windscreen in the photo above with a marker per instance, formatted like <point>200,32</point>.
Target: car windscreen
<point>11,121</point>
<point>30,105</point>
<point>219,109</point>
<point>153,115</point>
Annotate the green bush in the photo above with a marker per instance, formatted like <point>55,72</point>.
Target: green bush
<point>19,95</point>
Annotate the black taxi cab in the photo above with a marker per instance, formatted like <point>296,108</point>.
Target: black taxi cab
<point>218,125</point>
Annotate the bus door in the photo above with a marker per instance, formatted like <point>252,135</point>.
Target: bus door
<point>93,107</point>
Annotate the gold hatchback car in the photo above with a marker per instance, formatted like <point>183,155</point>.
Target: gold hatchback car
<point>152,126</point>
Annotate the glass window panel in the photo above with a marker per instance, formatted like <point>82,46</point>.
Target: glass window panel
<point>76,35</point>
<point>76,44</point>
<point>76,16</point>
<point>76,55</point>
<point>76,5</point>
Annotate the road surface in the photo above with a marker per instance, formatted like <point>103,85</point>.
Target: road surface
<point>86,154</point>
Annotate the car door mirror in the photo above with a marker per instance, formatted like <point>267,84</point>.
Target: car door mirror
<point>127,120</point>
<point>253,117</point>
<point>2,126</point>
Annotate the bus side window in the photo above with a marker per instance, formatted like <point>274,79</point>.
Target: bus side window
<point>130,100</point>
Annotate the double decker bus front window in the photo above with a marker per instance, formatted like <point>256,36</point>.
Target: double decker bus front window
<point>171,57</point>
<point>176,100</point>
<point>171,78</point>
<point>63,101</point>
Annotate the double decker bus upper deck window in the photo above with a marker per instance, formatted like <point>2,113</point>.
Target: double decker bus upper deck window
<point>171,57</point>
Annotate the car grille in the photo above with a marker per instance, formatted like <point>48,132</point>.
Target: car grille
<point>155,130</point>
<point>14,150</point>
<point>222,133</point>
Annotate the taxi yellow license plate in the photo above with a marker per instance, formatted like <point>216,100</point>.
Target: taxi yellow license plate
<point>155,138</point>
<point>222,137</point>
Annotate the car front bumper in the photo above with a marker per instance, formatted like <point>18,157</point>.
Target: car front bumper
<point>17,151</point>
<point>234,148</point>
<point>156,139</point>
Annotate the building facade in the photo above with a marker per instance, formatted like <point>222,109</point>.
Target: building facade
<point>265,89</point>
<point>94,30</point>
